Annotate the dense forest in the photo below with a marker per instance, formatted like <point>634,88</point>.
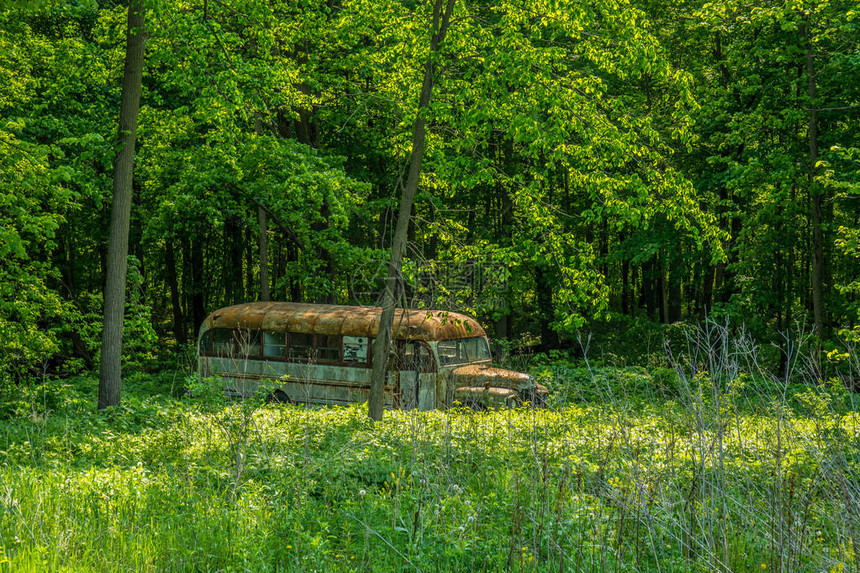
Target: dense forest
<point>584,164</point>
<point>651,206</point>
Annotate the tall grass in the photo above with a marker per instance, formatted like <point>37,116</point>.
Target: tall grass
<point>710,465</point>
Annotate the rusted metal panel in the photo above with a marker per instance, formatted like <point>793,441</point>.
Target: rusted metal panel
<point>301,319</point>
<point>486,396</point>
<point>344,320</point>
<point>484,375</point>
<point>301,382</point>
<point>238,316</point>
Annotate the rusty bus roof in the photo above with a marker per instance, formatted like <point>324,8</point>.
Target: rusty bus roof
<point>345,320</point>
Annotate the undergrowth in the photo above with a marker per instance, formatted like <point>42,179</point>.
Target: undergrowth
<point>710,465</point>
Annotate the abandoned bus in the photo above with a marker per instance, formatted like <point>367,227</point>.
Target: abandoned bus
<point>321,354</point>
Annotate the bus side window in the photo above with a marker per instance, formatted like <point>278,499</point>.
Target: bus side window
<point>425,360</point>
<point>328,347</point>
<point>247,342</point>
<point>407,356</point>
<point>355,349</point>
<point>301,345</point>
<point>448,351</point>
<point>206,343</point>
<point>222,342</point>
<point>274,344</point>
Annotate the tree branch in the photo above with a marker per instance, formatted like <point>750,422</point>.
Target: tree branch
<point>845,108</point>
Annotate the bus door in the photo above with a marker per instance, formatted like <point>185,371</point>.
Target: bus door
<point>417,376</point>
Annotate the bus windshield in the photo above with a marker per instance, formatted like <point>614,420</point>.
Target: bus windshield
<point>463,350</point>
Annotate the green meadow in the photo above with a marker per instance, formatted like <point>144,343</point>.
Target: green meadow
<point>627,469</point>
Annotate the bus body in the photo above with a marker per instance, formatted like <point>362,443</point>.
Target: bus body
<point>321,354</point>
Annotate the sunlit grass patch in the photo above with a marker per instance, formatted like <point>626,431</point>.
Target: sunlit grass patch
<point>714,476</point>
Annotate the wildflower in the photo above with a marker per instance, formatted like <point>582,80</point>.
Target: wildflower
<point>362,492</point>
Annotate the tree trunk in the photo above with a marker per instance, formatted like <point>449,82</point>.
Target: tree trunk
<point>263,238</point>
<point>173,284</point>
<point>295,283</point>
<point>232,272</point>
<point>398,245</point>
<point>504,324</point>
<point>815,194</point>
<point>67,274</point>
<point>664,292</point>
<point>625,284</point>
<point>187,287</point>
<point>648,283</point>
<point>197,283</point>
<point>323,254</point>
<point>110,370</point>
<point>675,279</point>
<point>546,312</point>
<point>707,292</point>
<point>278,261</point>
<point>676,299</point>
<point>264,254</point>
<point>249,289</point>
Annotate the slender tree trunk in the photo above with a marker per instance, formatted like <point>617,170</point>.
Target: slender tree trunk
<point>197,283</point>
<point>278,261</point>
<point>648,284</point>
<point>719,281</point>
<point>264,254</point>
<point>546,312</point>
<point>67,273</point>
<point>676,296</point>
<point>186,278</point>
<point>625,283</point>
<point>110,370</point>
<point>504,324</point>
<point>173,285</point>
<point>604,249</point>
<point>815,194</point>
<point>250,288</point>
<point>264,230</point>
<point>296,292</point>
<point>233,260</point>
<point>707,291</point>
<point>789,270</point>
<point>664,291</point>
<point>393,285</point>
<point>323,254</point>
<point>778,288</point>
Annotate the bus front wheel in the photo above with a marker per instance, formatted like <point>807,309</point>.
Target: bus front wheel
<point>278,397</point>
